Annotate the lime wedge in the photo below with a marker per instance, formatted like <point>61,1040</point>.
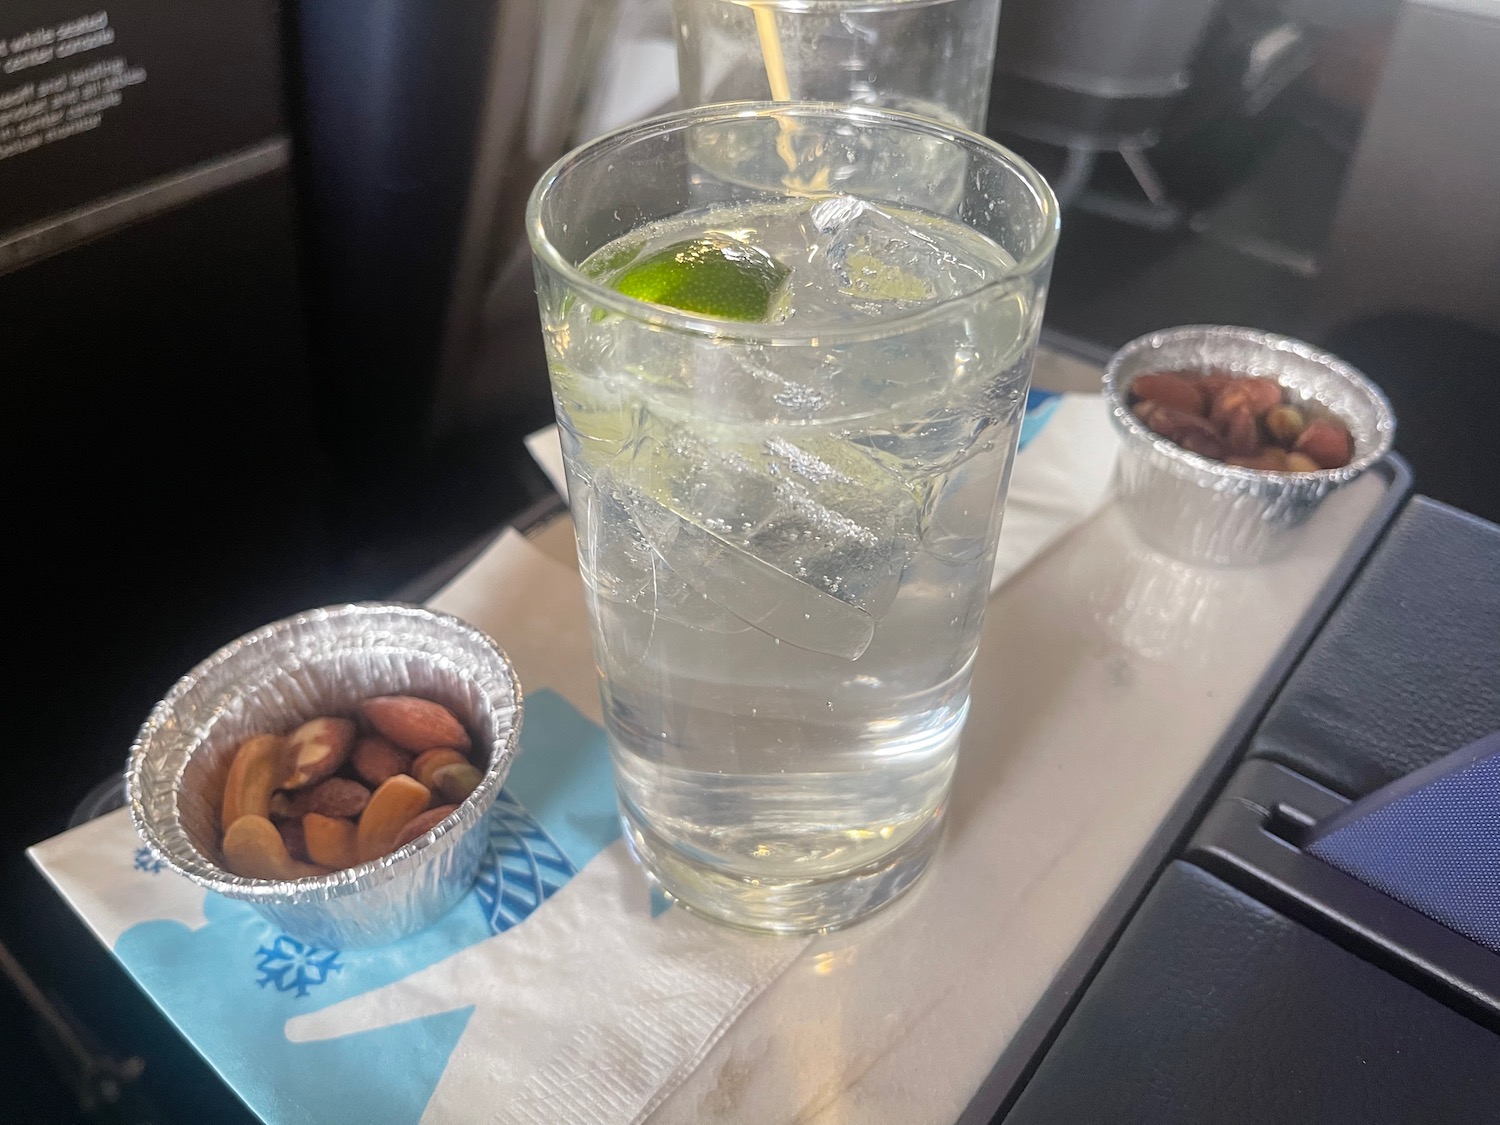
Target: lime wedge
<point>607,262</point>
<point>714,275</point>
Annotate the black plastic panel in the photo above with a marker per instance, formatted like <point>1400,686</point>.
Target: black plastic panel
<point>1251,838</point>
<point>1216,1008</point>
<point>1408,668</point>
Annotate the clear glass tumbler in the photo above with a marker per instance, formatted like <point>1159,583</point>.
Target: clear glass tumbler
<point>933,57</point>
<point>789,384</point>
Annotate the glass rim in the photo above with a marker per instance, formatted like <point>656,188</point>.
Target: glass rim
<point>788,334</point>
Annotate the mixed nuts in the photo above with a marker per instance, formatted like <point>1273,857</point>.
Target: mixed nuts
<point>337,791</point>
<point>1242,420</point>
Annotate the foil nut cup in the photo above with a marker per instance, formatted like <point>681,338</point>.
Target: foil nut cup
<point>324,661</point>
<point>1199,510</point>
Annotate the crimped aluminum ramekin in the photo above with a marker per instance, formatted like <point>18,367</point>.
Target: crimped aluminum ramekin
<point>321,662</point>
<point>1204,511</point>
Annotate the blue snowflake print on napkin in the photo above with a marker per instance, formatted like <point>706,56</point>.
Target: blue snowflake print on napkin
<point>294,967</point>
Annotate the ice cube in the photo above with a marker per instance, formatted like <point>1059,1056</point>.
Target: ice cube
<point>841,522</point>
<point>935,443</point>
<point>805,540</point>
<point>750,379</point>
<point>613,555</point>
<point>618,531</point>
<point>763,596</point>
<point>675,599</point>
<point>878,260</point>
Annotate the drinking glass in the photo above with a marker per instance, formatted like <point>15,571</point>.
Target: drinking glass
<point>786,515</point>
<point>933,57</point>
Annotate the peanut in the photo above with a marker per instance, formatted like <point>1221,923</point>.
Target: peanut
<point>1285,425</point>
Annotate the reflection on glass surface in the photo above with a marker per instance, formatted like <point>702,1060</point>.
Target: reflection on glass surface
<point>1159,608</point>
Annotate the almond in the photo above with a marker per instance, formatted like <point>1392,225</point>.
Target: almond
<point>390,808</point>
<point>331,840</point>
<point>375,759</point>
<point>426,764</point>
<point>1230,399</point>
<point>421,824</point>
<point>1241,434</point>
<point>1204,445</point>
<point>1326,443</point>
<point>1215,380</point>
<point>414,724</point>
<point>258,769</point>
<point>253,848</point>
<point>1187,430</point>
<point>338,796</point>
<point>1264,395</point>
<point>1170,389</point>
<point>316,749</point>
<point>292,837</point>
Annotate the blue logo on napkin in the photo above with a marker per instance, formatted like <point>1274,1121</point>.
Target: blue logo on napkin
<point>561,792</point>
<point>1040,406</point>
<point>523,868</point>
<point>231,985</point>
